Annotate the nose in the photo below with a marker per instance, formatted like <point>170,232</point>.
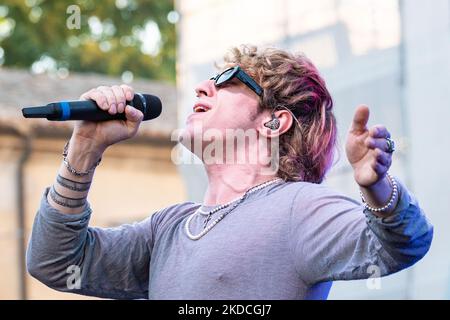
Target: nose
<point>205,88</point>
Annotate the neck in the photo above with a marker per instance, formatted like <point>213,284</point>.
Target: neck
<point>228,182</point>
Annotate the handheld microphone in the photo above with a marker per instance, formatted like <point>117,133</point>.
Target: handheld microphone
<point>148,104</point>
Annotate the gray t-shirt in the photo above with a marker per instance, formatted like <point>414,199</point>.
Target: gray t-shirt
<point>286,241</point>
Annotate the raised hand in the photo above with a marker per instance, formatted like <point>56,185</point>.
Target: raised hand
<point>368,149</point>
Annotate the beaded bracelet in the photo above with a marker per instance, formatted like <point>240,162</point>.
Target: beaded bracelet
<point>391,200</point>
<point>71,169</point>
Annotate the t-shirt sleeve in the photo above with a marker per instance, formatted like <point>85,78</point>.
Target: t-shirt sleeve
<point>333,237</point>
<point>67,255</point>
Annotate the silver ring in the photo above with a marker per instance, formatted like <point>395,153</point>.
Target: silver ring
<point>390,145</point>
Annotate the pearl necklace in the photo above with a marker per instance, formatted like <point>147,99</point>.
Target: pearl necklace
<point>237,201</point>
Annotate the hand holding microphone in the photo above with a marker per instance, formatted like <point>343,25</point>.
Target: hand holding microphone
<point>113,101</point>
<point>99,105</point>
<point>92,135</point>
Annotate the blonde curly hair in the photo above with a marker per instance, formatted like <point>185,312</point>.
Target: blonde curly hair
<point>292,81</point>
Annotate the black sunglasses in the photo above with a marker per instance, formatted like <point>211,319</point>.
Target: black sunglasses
<point>237,72</point>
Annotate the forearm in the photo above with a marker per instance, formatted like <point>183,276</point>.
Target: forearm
<point>82,155</point>
<point>343,240</point>
<point>407,233</point>
<point>114,262</point>
<point>57,243</point>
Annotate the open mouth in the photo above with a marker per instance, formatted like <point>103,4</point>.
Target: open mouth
<point>201,108</point>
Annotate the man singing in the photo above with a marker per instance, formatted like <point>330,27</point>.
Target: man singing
<point>259,233</point>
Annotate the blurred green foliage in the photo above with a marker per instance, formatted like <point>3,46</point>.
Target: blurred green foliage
<point>38,28</point>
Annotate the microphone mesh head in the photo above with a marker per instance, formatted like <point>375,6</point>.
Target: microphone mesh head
<point>153,106</point>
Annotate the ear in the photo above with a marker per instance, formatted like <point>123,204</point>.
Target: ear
<point>286,121</point>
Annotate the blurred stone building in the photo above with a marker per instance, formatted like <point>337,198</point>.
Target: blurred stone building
<point>393,55</point>
<point>135,178</point>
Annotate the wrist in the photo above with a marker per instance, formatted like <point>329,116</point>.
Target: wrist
<point>83,153</point>
<point>87,143</point>
<point>378,187</point>
<point>382,197</point>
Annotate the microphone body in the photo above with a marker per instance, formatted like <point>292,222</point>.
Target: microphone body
<point>88,110</point>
